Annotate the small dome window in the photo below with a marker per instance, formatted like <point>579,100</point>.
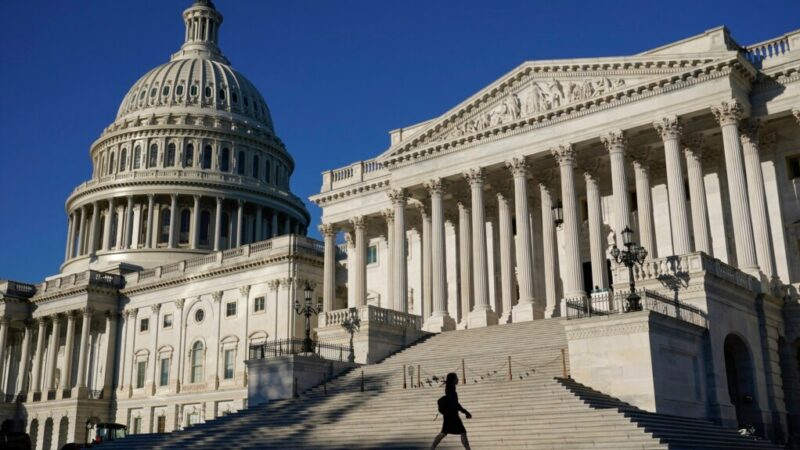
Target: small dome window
<point>153,92</point>
<point>234,97</point>
<point>208,91</point>
<point>222,94</point>
<point>179,90</point>
<point>193,90</point>
<point>144,92</point>
<point>165,91</point>
<point>246,102</point>
<point>199,315</point>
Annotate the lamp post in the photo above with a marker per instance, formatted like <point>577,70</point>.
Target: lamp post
<point>632,255</point>
<point>351,324</point>
<point>307,310</point>
<point>558,213</point>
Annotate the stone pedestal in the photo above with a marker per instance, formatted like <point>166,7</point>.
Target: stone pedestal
<point>284,376</point>
<point>439,323</point>
<point>482,318</point>
<point>524,312</point>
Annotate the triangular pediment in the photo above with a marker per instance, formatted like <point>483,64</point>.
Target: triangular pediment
<point>548,88</point>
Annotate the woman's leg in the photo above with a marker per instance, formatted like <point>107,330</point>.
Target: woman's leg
<point>437,439</point>
<point>464,441</point>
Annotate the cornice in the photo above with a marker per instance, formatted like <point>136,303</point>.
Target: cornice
<point>331,197</point>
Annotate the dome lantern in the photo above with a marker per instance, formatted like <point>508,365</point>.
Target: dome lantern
<point>202,32</point>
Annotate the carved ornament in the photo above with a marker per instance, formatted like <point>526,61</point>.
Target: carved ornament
<point>475,177</point>
<point>564,154</point>
<point>727,113</point>
<point>668,127</point>
<point>614,141</point>
<point>518,166</point>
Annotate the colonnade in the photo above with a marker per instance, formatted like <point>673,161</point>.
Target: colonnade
<point>747,206</point>
<point>185,221</point>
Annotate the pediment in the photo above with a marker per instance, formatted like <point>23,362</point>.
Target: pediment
<point>539,90</point>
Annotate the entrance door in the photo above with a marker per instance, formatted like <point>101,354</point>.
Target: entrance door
<point>161,425</point>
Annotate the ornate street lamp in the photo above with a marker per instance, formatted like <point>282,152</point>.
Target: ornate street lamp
<point>351,324</point>
<point>558,213</point>
<point>307,310</point>
<point>632,255</point>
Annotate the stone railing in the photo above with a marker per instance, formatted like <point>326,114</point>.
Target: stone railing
<point>673,268</point>
<point>773,48</point>
<point>89,277</point>
<point>352,174</point>
<point>287,244</point>
<point>372,315</point>
<point>16,289</point>
<point>608,303</point>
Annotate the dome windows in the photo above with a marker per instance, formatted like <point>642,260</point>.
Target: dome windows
<point>207,91</point>
<point>179,90</point>
<point>234,97</point>
<point>222,94</point>
<point>137,154</point>
<point>165,90</point>
<point>206,161</point>
<point>144,92</point>
<point>256,163</point>
<point>153,92</point>
<point>152,157</point>
<point>188,155</point>
<point>225,160</point>
<point>123,156</point>
<point>240,163</point>
<point>193,90</point>
<point>169,158</point>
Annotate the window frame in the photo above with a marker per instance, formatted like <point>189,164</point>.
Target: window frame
<point>228,311</point>
<point>162,373</point>
<point>141,373</point>
<point>262,301</point>
<point>164,319</point>
<point>144,325</point>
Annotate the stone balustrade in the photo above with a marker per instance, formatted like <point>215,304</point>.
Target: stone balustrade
<point>773,48</point>
<point>352,174</point>
<point>89,277</point>
<point>372,315</point>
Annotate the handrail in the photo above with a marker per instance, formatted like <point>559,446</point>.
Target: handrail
<point>610,303</point>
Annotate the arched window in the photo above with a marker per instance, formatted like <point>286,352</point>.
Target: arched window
<point>137,154</point>
<point>205,227</point>
<point>123,156</point>
<point>208,91</point>
<point>184,232</point>
<point>222,94</point>
<point>152,158</point>
<point>112,235</point>
<point>165,90</point>
<point>198,355</point>
<point>267,172</point>
<point>164,235</point>
<point>193,90</point>
<point>240,163</point>
<point>188,156</point>
<point>179,90</point>
<point>256,163</point>
<point>207,157</point>
<point>225,160</point>
<point>102,167</point>
<point>111,163</point>
<point>169,159</point>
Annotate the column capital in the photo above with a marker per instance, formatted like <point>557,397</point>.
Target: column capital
<point>87,311</point>
<point>274,284</point>
<point>668,127</point>
<point>463,207</point>
<point>749,131</point>
<point>693,146</point>
<point>72,314</point>
<point>197,197</point>
<point>5,320</point>
<point>590,175</point>
<point>244,291</point>
<point>180,302</point>
<point>111,315</point>
<point>435,186</point>
<point>149,197</point>
<point>130,197</point>
<point>349,239</point>
<point>518,166</point>
<point>728,113</point>
<point>767,141</point>
<point>358,222</point>
<point>614,141</point>
<point>219,200</point>
<point>564,154</point>
<point>327,229</point>
<point>240,203</point>
<point>796,114</point>
<point>397,196</point>
<point>216,296</point>
<point>155,308</point>
<point>388,214</point>
<point>475,177</point>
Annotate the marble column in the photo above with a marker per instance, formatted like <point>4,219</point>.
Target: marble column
<point>218,226</point>
<point>693,148</point>
<point>728,115</point>
<point>614,143</point>
<point>440,319</point>
<point>82,347</point>
<point>66,373</point>
<point>148,239</point>
<point>52,353</point>
<point>573,278</point>
<point>25,358</point>
<point>70,231</point>
<point>173,219</point>
<point>239,222</point>
<point>38,358</point>
<point>93,228</point>
<point>670,130</point>
<point>465,260</point>
<point>427,260</point>
<point>328,231</point>
<point>5,322</point>
<point>287,225</point>
<point>274,223</point>
<point>112,320</point>
<point>195,228</point>
<point>526,308</point>
<point>126,239</point>
<point>757,197</point>
<point>400,274</point>
<point>82,231</point>
<point>359,225</point>
<point>259,235</point>
<point>481,314</point>
<point>596,250</point>
<point>388,215</point>
<point>644,204</point>
<point>506,234</point>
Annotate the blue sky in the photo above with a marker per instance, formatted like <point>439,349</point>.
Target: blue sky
<point>337,76</point>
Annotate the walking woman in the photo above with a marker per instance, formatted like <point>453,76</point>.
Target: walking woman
<point>449,407</point>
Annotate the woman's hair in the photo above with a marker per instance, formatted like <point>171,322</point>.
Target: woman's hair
<point>452,379</point>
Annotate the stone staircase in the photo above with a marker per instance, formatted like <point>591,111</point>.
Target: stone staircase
<point>537,409</point>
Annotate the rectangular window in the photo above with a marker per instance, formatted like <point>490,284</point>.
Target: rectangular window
<point>164,379</point>
<point>144,325</point>
<point>372,254</point>
<point>137,425</point>
<point>167,321</point>
<point>258,305</point>
<point>228,364</point>
<point>230,309</point>
<point>141,369</point>
<point>793,166</point>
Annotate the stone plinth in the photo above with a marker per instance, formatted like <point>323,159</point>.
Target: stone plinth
<point>650,360</point>
<point>283,376</point>
<point>381,331</point>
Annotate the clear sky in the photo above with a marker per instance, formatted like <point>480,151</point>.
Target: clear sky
<point>337,75</point>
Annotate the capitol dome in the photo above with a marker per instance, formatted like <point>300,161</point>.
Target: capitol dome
<point>190,165</point>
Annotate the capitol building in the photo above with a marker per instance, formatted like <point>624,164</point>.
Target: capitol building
<point>186,246</point>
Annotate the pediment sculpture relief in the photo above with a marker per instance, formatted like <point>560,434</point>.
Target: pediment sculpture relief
<point>537,97</point>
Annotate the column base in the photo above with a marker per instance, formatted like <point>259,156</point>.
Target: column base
<point>83,392</point>
<point>505,318</point>
<point>437,324</point>
<point>482,318</point>
<point>525,312</point>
